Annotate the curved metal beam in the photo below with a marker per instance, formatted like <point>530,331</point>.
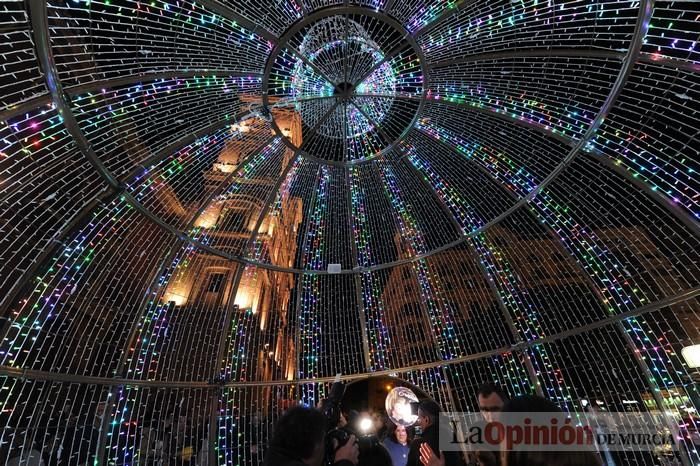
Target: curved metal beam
<point>228,13</point>
<point>40,32</point>
<point>300,279</point>
<point>310,64</point>
<point>684,65</point>
<point>31,374</point>
<point>459,6</point>
<point>388,5</point>
<point>388,57</point>
<point>271,197</point>
<point>46,58</point>
<point>10,297</point>
<point>505,116</point>
<point>679,213</point>
<point>111,83</point>
<point>552,52</point>
<point>357,279</point>
<point>345,10</point>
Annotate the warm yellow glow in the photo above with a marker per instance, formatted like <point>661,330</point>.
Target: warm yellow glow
<point>210,216</point>
<point>224,167</point>
<point>242,299</point>
<point>246,298</point>
<point>241,126</point>
<point>263,320</point>
<point>691,354</point>
<point>177,298</point>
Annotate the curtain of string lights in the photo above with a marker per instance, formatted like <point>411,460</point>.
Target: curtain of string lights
<point>210,208</point>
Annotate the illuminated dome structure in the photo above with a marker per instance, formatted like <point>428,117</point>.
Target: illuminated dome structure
<point>211,208</point>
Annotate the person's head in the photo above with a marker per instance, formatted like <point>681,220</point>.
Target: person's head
<point>491,399</point>
<point>299,433</point>
<point>400,434</point>
<point>537,404</point>
<point>428,412</point>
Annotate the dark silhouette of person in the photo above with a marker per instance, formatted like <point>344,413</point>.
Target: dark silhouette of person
<point>428,416</point>
<point>537,404</point>
<point>299,440</point>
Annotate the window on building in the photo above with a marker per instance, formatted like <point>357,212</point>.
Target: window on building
<point>236,220</point>
<point>216,282</point>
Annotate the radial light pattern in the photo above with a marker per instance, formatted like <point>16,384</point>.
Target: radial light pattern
<point>209,209</point>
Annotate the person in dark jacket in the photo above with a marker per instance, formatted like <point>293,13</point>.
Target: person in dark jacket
<point>398,443</point>
<point>428,416</point>
<point>539,457</point>
<point>298,440</point>
<point>543,457</point>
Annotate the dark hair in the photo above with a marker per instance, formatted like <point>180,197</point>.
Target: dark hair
<point>392,433</point>
<point>537,404</point>
<point>430,409</point>
<point>488,388</point>
<point>299,431</point>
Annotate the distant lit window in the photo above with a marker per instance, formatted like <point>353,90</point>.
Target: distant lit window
<point>235,220</point>
<point>216,281</point>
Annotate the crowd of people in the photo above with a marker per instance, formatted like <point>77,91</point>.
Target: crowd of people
<point>300,439</point>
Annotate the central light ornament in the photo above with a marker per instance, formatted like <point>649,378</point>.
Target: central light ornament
<point>348,43</point>
<point>354,77</point>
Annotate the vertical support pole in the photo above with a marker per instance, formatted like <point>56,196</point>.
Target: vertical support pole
<point>216,394</point>
<point>357,278</point>
<point>517,338</point>
<point>363,322</point>
<point>651,385</point>
<point>300,285</point>
<point>494,291</point>
<point>453,408</point>
<point>648,375</point>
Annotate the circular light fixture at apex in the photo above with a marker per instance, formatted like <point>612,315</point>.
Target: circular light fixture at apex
<point>354,78</point>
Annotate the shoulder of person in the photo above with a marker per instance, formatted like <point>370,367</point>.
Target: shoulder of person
<point>417,442</point>
<point>343,463</point>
